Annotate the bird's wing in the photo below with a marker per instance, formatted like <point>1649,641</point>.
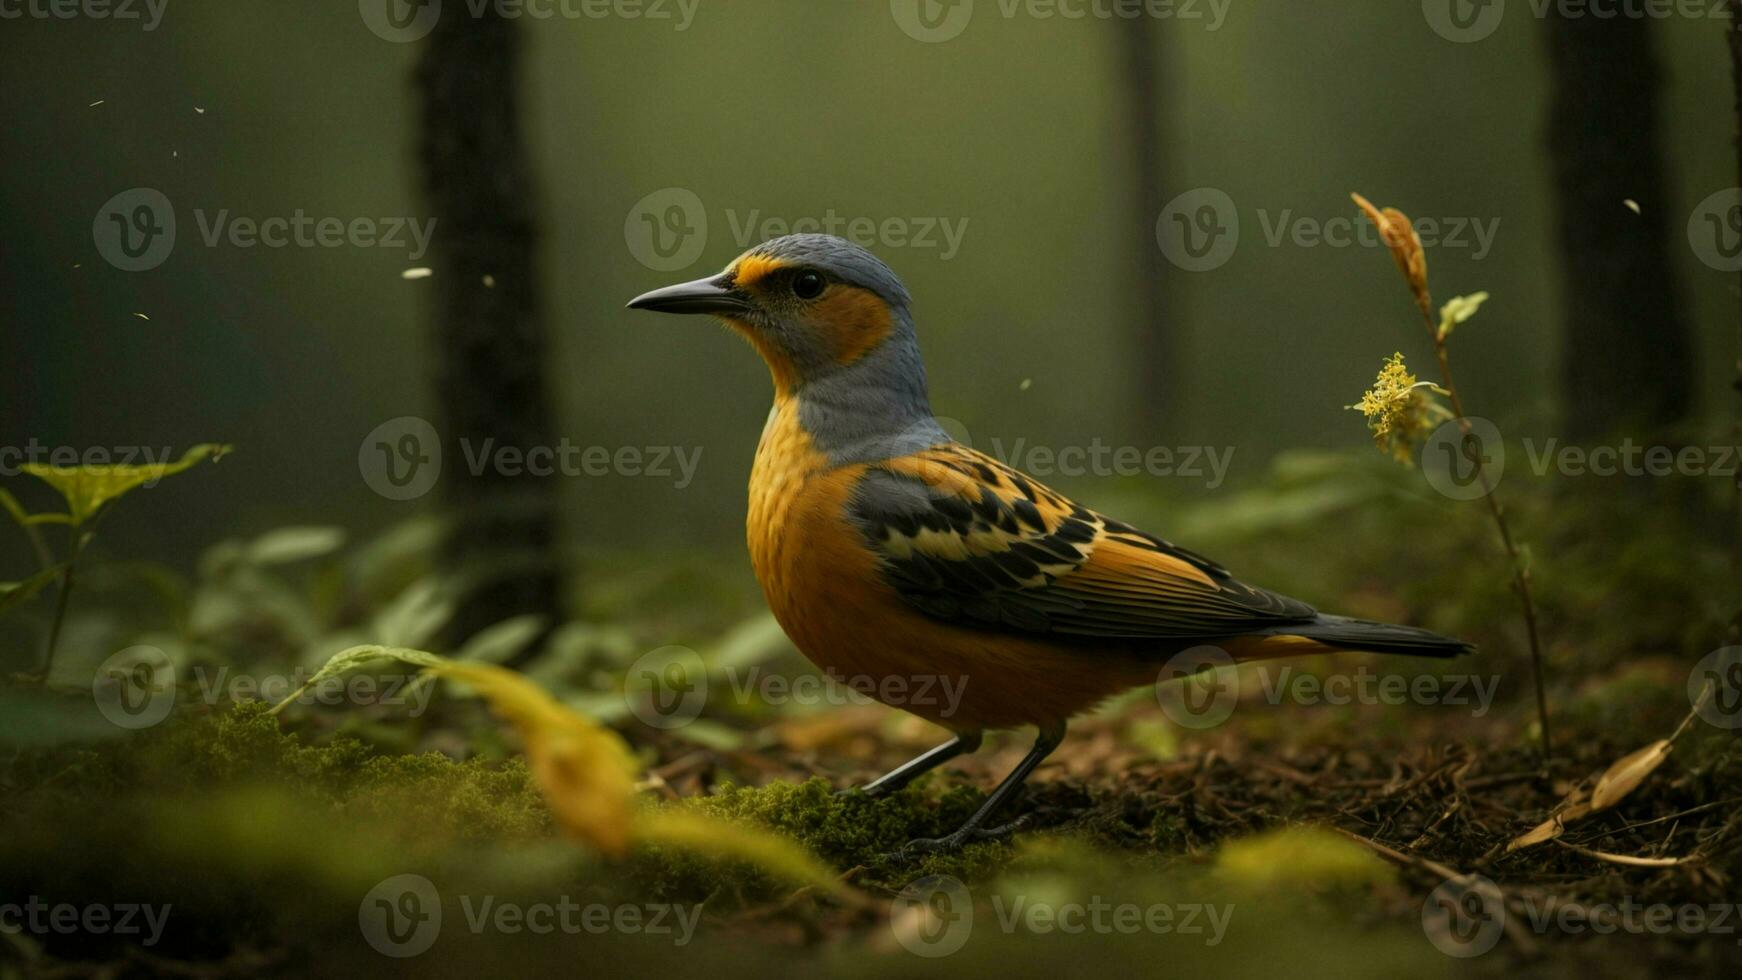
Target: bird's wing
<point>970,541</point>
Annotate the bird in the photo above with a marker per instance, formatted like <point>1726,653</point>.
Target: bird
<point>889,551</point>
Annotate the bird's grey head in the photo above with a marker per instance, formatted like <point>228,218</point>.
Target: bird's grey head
<point>832,322</point>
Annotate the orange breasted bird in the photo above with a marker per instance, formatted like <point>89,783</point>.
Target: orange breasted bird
<point>889,551</point>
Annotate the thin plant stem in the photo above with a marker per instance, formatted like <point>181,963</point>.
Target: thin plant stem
<point>63,598</point>
<point>43,556</point>
<point>1520,570</point>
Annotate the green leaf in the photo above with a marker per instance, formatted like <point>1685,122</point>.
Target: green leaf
<point>22,591</point>
<point>1459,309</point>
<point>415,616</point>
<point>349,660</point>
<point>88,488</point>
<point>292,544</point>
<point>494,644</point>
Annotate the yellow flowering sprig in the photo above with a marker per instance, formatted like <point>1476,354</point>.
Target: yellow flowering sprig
<point>1400,410</point>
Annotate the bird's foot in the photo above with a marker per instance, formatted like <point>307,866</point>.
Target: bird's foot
<point>961,838</point>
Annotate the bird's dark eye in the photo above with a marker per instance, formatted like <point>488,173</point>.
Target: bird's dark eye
<point>808,285</point>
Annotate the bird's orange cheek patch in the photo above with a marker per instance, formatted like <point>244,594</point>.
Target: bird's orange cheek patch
<point>851,321</point>
<point>779,363</point>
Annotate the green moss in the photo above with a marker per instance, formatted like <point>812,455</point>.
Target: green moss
<point>850,831</point>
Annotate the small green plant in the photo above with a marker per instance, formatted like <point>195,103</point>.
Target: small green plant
<point>89,492</point>
<point>1389,402</point>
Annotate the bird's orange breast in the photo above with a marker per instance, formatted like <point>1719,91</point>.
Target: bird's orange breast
<point>825,587</point>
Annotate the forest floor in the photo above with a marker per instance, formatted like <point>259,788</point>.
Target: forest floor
<point>1350,816</point>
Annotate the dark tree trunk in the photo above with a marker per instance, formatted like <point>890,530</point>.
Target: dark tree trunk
<point>1734,36</point>
<point>490,340</point>
<point>1157,369</point>
<point>1626,349</point>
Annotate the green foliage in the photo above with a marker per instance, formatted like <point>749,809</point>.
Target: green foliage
<point>88,489</point>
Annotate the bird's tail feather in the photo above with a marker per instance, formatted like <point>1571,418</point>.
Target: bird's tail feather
<point>1345,633</point>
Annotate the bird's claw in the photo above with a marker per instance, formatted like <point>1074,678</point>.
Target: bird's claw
<point>965,836</point>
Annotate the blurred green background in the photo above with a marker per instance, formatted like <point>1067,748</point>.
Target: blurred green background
<point>1015,131</point>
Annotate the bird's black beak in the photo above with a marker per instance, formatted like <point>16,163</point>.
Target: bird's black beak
<point>702,296</point>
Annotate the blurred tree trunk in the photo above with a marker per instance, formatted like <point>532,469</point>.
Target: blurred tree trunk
<point>489,334</point>
<point>1625,344</point>
<point>1734,35</point>
<point>1157,369</point>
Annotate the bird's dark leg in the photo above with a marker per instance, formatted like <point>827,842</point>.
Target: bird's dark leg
<point>1045,742</point>
<point>963,744</point>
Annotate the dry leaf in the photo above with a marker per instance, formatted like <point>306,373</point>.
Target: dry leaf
<point>1574,807</point>
<point>1627,773</point>
<point>1399,235</point>
<point>1620,779</point>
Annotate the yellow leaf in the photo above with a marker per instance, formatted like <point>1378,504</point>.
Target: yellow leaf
<point>88,488</point>
<point>584,769</point>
